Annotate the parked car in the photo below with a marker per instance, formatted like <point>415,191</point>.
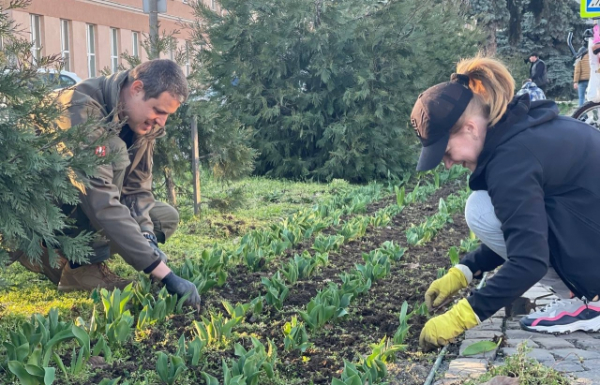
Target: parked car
<point>202,95</point>
<point>58,80</point>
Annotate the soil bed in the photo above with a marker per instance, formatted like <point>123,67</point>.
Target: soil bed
<point>372,316</point>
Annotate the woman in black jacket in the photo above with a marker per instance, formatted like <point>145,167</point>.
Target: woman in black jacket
<point>536,199</point>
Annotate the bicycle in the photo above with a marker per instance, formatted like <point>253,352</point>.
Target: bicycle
<point>590,111</point>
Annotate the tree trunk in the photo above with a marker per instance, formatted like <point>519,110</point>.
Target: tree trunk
<point>514,23</point>
<point>490,48</point>
<point>171,194</point>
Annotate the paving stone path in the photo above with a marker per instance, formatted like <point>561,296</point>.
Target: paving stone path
<point>576,354</point>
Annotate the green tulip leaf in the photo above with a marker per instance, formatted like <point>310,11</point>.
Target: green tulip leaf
<point>479,348</point>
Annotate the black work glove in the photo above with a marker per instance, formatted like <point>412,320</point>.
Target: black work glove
<point>178,286</point>
<point>154,244</point>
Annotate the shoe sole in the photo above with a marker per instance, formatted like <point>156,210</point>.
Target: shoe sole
<point>591,325</point>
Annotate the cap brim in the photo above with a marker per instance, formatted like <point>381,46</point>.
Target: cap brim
<point>433,154</point>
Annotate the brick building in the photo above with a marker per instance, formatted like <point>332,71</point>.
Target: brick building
<point>91,34</point>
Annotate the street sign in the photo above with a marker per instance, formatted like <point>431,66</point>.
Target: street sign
<point>161,6</point>
<point>590,8</point>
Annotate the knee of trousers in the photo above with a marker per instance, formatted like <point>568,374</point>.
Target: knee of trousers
<point>165,219</point>
<point>480,215</point>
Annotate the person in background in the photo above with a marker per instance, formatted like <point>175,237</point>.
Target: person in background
<point>534,92</point>
<point>581,76</point>
<point>538,71</point>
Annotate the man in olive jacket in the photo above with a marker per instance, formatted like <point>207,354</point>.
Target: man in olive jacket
<point>118,201</point>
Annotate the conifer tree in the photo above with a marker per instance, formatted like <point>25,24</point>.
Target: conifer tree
<point>326,87</point>
<point>527,26</point>
<point>39,163</point>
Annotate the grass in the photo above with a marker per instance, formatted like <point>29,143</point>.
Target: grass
<point>566,107</point>
<point>261,201</point>
<point>527,370</point>
<point>24,293</point>
<point>265,201</point>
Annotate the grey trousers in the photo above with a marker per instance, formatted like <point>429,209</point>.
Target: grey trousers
<point>164,217</point>
<point>482,220</point>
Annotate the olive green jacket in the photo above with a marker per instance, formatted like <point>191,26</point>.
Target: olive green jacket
<point>118,197</point>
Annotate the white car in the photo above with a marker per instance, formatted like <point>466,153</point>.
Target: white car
<point>58,80</point>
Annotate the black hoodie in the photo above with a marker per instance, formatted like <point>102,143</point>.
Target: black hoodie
<point>542,172</point>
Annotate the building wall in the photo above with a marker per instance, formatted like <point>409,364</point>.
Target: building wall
<point>126,15</point>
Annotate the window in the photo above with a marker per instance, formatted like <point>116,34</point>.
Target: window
<point>114,49</point>
<point>65,43</point>
<point>36,37</point>
<point>66,81</point>
<point>188,54</point>
<point>91,49</point>
<point>11,58</point>
<point>213,4</point>
<point>135,38</point>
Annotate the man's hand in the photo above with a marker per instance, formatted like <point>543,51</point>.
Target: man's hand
<point>575,86</point>
<point>178,286</point>
<point>445,287</point>
<point>441,330</point>
<point>154,244</point>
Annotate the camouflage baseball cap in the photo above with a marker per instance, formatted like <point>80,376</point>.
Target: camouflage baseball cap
<point>435,112</point>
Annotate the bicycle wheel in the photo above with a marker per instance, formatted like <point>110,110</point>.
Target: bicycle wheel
<point>589,113</point>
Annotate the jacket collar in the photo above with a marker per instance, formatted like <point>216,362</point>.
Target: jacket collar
<point>111,89</point>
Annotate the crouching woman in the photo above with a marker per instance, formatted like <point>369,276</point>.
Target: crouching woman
<point>535,201</point>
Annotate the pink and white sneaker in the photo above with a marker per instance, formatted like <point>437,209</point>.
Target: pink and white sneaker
<point>564,316</point>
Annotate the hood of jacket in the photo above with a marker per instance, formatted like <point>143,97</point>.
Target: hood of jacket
<point>521,114</point>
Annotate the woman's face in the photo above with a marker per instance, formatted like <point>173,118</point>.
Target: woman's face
<point>465,145</point>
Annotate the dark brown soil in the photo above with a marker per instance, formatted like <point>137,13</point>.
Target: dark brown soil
<point>373,315</point>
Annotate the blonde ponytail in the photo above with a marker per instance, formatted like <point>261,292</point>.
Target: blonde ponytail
<point>492,85</point>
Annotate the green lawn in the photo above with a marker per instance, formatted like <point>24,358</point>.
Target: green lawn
<point>263,201</point>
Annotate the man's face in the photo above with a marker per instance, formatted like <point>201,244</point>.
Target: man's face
<point>532,58</point>
<point>142,114</point>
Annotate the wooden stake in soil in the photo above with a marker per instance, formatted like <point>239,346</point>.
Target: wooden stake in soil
<point>196,165</point>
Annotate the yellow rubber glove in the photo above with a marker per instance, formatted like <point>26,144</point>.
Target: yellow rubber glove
<point>441,330</point>
<point>445,287</point>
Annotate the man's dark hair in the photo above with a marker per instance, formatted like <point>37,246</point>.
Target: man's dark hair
<point>160,75</point>
<point>535,54</point>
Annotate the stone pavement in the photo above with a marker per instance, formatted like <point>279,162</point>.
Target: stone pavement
<point>576,354</point>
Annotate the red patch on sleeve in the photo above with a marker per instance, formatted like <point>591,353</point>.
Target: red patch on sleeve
<point>101,151</point>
